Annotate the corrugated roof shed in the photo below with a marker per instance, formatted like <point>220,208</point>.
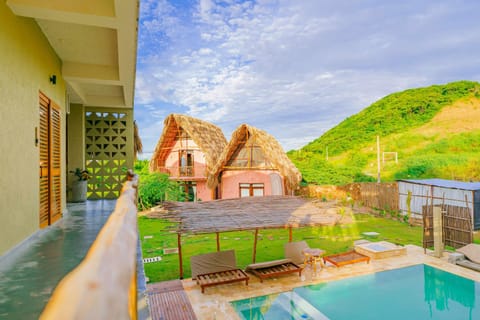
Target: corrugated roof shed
<point>452,184</point>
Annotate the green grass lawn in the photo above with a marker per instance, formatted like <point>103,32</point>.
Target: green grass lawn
<point>157,234</point>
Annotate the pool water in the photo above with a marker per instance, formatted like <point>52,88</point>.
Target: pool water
<point>416,292</point>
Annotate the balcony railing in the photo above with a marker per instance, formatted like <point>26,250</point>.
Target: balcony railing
<point>196,171</point>
<point>186,171</point>
<point>104,285</point>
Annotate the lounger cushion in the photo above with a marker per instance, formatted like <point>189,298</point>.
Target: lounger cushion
<point>267,264</point>
<point>469,264</point>
<point>293,251</point>
<point>471,251</point>
<point>213,262</point>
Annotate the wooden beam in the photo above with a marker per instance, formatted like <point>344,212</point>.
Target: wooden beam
<point>218,241</point>
<point>290,234</point>
<point>180,258</point>
<point>255,246</point>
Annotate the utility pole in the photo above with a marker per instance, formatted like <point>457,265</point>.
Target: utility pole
<point>378,159</point>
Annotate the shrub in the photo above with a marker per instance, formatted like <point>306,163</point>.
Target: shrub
<point>155,188</point>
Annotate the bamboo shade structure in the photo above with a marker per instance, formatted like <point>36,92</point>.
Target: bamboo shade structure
<point>247,214</point>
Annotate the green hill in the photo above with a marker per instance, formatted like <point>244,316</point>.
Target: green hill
<point>435,132</point>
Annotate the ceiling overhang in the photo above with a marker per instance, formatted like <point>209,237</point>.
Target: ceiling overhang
<point>97,43</point>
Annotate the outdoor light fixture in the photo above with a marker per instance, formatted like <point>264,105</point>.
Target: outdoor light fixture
<point>53,79</point>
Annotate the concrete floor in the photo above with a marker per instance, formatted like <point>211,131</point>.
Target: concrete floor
<point>30,272</point>
<point>215,302</point>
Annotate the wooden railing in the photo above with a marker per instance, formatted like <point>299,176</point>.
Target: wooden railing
<point>186,171</point>
<point>104,285</point>
<point>196,171</point>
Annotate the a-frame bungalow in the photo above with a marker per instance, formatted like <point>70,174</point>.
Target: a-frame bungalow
<point>253,164</point>
<point>187,151</point>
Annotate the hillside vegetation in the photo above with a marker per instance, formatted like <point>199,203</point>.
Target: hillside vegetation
<point>434,130</point>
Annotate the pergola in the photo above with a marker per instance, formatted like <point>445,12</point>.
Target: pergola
<point>253,213</point>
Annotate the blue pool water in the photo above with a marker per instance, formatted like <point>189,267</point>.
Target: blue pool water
<point>417,292</point>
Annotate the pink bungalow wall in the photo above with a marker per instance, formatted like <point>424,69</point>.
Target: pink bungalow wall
<point>172,163</point>
<point>231,181</point>
<point>203,192</point>
<point>172,166</point>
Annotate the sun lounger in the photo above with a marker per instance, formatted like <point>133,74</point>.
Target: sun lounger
<point>216,268</point>
<point>342,259</point>
<point>269,269</point>
<point>472,254</point>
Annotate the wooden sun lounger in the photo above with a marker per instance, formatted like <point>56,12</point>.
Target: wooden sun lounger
<point>216,268</point>
<point>342,259</point>
<point>221,277</point>
<point>269,269</point>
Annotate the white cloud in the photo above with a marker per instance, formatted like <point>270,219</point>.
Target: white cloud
<point>295,68</point>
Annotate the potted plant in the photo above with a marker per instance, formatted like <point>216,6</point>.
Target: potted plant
<point>79,187</point>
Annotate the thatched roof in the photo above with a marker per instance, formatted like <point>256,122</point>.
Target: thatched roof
<point>208,137</point>
<point>137,141</point>
<point>249,213</point>
<point>273,152</point>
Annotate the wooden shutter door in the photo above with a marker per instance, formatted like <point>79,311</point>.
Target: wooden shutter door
<point>50,162</point>
<point>43,143</point>
<point>55,162</point>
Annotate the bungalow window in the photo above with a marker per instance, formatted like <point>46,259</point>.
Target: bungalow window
<point>251,190</point>
<point>249,154</point>
<point>185,163</point>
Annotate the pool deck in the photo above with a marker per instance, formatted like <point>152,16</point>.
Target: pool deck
<point>214,303</point>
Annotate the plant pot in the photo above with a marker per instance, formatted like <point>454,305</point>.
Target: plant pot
<point>79,191</point>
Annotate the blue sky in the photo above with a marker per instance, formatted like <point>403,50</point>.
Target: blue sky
<point>294,68</point>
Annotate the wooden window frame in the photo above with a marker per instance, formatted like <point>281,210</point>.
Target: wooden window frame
<point>187,170</point>
<point>250,146</point>
<point>251,188</point>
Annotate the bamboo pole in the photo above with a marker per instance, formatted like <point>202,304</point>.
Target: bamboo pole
<point>290,234</point>
<point>180,258</point>
<point>255,246</point>
<point>218,241</point>
<point>378,159</point>
<point>437,232</point>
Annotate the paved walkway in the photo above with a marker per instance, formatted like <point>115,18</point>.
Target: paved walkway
<point>29,274</point>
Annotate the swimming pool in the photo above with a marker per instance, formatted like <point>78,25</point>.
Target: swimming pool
<point>416,292</point>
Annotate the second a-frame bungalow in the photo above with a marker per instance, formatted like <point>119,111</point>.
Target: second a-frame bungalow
<point>187,151</point>
<point>253,164</point>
